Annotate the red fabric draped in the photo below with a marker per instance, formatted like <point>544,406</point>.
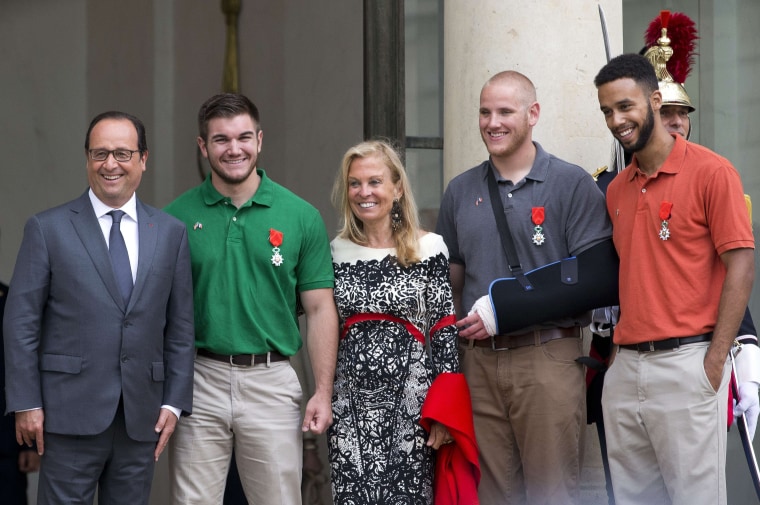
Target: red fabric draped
<point>457,470</point>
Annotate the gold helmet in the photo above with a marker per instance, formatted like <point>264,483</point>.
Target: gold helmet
<point>672,60</point>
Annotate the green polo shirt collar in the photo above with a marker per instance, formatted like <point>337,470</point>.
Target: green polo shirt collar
<point>264,194</point>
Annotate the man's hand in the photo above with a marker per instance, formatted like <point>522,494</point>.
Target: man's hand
<point>322,344</point>
<point>472,327</point>
<point>318,416</point>
<point>29,426</point>
<point>167,422</point>
<point>480,323</point>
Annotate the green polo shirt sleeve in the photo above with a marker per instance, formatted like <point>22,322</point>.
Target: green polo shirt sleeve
<point>246,283</point>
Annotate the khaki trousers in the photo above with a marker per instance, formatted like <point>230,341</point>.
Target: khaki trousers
<point>529,411</point>
<point>666,428</point>
<point>256,410</point>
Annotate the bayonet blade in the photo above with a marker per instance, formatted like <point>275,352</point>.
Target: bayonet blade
<point>606,36</point>
<point>618,160</point>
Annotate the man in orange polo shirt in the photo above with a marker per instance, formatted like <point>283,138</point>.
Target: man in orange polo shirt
<point>686,269</point>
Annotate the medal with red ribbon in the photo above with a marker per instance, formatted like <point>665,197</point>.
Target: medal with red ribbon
<point>537,216</point>
<point>665,208</point>
<point>275,238</point>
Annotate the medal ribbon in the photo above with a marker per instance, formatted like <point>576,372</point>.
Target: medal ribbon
<point>665,208</point>
<point>537,215</point>
<point>275,237</point>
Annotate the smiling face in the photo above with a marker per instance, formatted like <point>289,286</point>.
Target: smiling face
<point>629,112</point>
<point>371,191</point>
<point>114,182</point>
<point>508,113</point>
<point>232,148</point>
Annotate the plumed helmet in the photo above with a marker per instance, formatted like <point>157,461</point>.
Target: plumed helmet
<point>671,42</point>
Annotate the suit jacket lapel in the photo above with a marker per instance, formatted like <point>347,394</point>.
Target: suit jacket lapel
<point>88,229</point>
<point>148,236</point>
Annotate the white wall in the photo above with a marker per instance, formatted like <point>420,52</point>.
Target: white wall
<point>557,44</point>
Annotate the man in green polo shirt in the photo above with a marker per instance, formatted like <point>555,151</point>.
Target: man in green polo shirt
<point>257,250</point>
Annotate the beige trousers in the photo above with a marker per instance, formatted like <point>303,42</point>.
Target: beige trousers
<point>257,411</point>
<point>666,428</point>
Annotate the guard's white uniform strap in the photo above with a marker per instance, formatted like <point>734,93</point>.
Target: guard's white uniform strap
<point>748,364</point>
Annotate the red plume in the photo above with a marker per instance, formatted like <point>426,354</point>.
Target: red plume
<point>682,33</point>
<point>664,18</point>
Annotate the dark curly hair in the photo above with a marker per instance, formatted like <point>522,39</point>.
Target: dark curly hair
<point>630,66</point>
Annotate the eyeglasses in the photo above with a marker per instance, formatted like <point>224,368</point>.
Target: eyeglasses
<point>120,155</point>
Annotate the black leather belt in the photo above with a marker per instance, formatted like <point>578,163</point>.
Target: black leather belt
<point>668,344</point>
<point>243,359</point>
<point>537,337</point>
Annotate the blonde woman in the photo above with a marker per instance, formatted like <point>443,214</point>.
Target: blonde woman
<point>396,311</point>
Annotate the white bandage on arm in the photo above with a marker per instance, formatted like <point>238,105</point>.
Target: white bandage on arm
<point>484,309</point>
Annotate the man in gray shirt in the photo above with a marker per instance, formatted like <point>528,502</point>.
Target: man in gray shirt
<point>527,390</point>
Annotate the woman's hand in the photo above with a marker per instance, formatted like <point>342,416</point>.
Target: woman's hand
<point>439,436</point>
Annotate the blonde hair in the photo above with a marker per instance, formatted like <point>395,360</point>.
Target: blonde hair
<point>525,87</point>
<point>407,233</point>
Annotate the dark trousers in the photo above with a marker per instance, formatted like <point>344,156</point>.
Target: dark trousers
<point>12,481</point>
<point>74,466</point>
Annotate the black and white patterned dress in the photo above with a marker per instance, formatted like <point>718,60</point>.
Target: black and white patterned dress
<point>387,312</point>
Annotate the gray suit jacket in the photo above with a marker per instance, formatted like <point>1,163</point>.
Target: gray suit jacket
<point>73,348</point>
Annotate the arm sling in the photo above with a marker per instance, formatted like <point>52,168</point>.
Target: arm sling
<point>564,288</point>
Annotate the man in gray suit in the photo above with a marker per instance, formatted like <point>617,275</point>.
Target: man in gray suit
<point>98,368</point>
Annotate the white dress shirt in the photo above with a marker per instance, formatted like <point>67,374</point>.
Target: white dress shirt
<point>128,227</point>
